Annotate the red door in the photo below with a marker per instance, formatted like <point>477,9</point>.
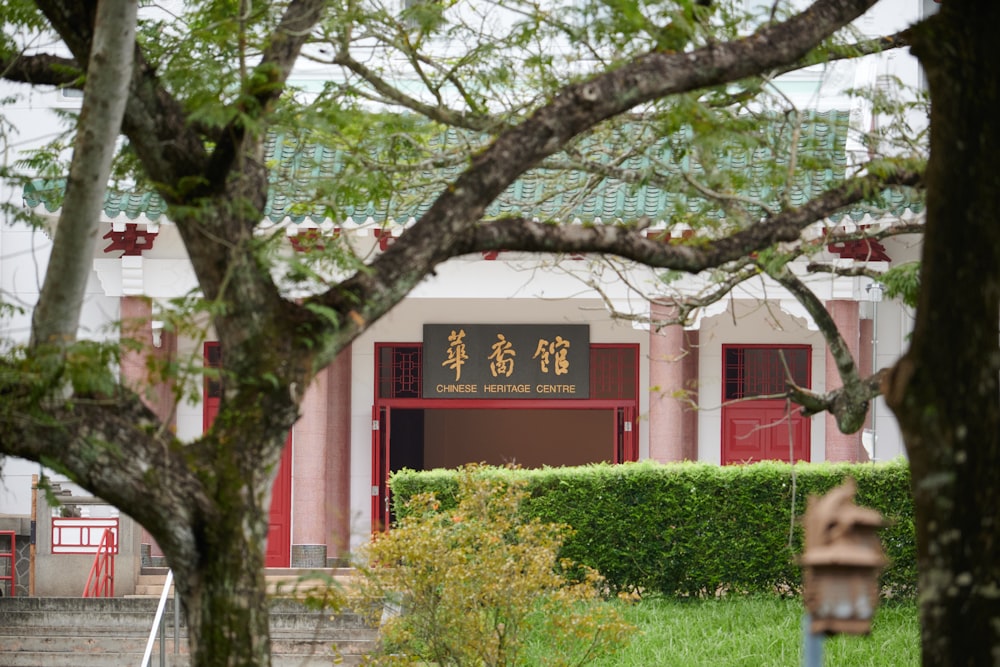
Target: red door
<point>763,431</point>
<point>626,437</point>
<point>757,424</point>
<point>279,522</point>
<point>279,532</point>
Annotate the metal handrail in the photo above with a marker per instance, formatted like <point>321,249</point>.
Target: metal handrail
<point>157,619</point>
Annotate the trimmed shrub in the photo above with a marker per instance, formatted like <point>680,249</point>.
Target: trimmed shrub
<point>692,528</point>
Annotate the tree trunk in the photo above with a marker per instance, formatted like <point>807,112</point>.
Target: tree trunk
<point>224,595</point>
<point>945,390</point>
<point>228,611</point>
<point>223,587</point>
<point>57,315</point>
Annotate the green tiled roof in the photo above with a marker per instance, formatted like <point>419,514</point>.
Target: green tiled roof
<point>541,193</point>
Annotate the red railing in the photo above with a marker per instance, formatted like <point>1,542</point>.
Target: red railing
<point>8,556</point>
<point>80,535</point>
<point>101,581</point>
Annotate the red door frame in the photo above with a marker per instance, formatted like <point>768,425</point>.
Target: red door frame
<point>625,436</point>
<point>755,429</point>
<point>380,467</point>
<point>279,533</point>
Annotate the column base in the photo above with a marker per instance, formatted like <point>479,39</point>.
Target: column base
<point>309,555</point>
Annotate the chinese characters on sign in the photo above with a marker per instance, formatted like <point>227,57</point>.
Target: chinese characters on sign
<point>455,356</point>
<point>506,361</point>
<point>554,352</point>
<point>502,357</point>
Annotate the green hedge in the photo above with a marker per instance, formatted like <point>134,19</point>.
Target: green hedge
<point>694,528</point>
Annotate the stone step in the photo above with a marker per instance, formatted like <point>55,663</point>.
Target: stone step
<point>280,581</point>
<point>181,660</point>
<point>282,623</point>
<point>75,632</point>
<point>109,644</point>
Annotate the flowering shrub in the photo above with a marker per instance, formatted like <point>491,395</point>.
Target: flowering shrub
<point>479,583</point>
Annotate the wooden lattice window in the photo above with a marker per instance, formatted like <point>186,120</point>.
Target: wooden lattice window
<point>754,371</point>
<point>613,372</point>
<point>399,370</point>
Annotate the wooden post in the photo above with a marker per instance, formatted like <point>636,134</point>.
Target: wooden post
<point>34,532</point>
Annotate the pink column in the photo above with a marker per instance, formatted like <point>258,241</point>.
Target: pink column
<point>309,478</point>
<point>866,367</point>
<point>673,370</point>
<point>840,446</point>
<point>689,416</point>
<point>137,325</point>
<point>338,458</point>
<point>321,455</point>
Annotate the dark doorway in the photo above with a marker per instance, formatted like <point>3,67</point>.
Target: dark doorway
<point>421,434</point>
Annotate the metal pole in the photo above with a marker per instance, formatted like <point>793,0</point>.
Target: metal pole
<point>32,553</point>
<point>875,290</point>
<point>812,644</point>
<point>157,620</point>
<point>177,623</point>
<point>875,368</point>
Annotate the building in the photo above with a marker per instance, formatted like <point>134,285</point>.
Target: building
<point>444,378</point>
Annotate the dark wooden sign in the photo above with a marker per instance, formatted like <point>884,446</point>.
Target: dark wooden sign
<point>506,361</point>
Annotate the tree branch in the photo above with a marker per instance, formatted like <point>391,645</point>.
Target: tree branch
<point>443,230</point>
<point>841,354</point>
<point>266,84</point>
<point>438,113</point>
<point>86,436</point>
<point>814,403</point>
<point>849,406</point>
<point>625,241</point>
<point>154,120</point>
<point>41,69</point>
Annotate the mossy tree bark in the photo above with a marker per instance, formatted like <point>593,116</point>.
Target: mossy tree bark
<point>945,390</point>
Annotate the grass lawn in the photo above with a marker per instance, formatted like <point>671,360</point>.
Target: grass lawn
<point>757,632</point>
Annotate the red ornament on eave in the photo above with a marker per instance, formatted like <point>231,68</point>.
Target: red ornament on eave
<point>307,240</point>
<point>385,238</point>
<point>861,250</point>
<point>131,241</point>
<point>864,250</point>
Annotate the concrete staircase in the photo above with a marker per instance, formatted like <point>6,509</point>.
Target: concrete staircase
<point>77,632</point>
